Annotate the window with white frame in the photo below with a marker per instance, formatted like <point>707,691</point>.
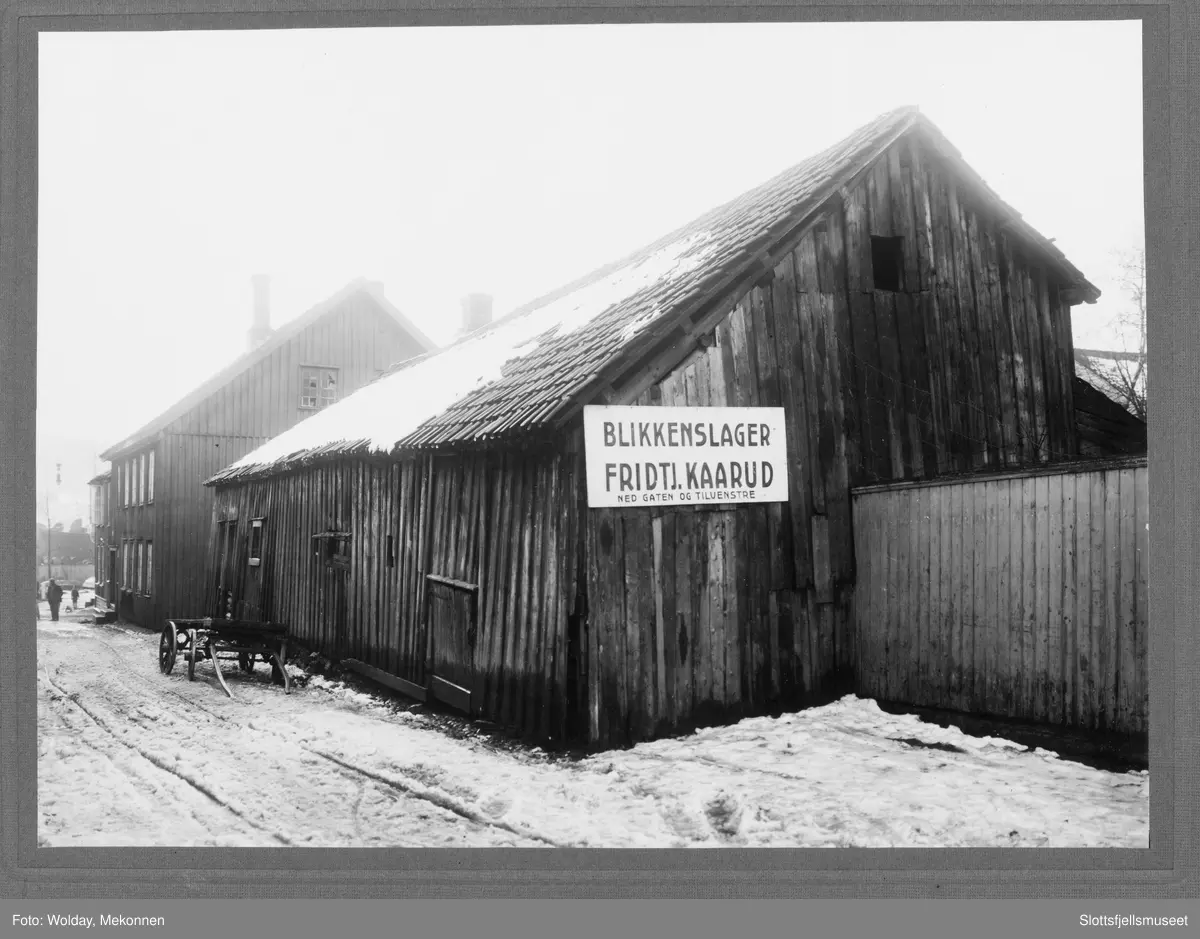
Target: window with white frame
<point>318,387</point>
<point>137,567</point>
<point>150,476</point>
<point>149,581</point>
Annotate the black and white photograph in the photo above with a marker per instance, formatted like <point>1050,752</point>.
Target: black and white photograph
<point>711,435</point>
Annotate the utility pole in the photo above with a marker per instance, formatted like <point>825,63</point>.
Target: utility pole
<point>48,536</point>
<point>49,554</point>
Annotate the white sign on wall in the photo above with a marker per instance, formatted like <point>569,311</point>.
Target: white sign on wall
<point>684,456</point>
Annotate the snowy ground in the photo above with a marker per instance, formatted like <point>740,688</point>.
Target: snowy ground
<point>128,756</point>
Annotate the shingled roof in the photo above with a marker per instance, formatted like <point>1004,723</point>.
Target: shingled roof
<point>541,361</point>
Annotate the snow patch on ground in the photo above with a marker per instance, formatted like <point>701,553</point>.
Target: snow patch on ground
<point>130,756</point>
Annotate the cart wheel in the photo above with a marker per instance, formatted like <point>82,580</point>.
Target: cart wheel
<point>246,661</point>
<point>167,649</point>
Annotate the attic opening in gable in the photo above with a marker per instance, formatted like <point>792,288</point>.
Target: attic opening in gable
<point>886,262</point>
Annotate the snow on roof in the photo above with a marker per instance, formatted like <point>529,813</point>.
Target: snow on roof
<point>371,419</point>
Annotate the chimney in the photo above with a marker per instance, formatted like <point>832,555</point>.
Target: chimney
<point>477,312</point>
<point>260,324</point>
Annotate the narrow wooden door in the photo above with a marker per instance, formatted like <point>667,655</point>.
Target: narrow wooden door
<point>333,570</point>
<point>451,618</point>
<point>251,606</point>
<point>226,570</point>
<point>110,587</point>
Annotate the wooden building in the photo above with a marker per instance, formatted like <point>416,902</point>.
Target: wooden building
<point>434,529</point>
<point>151,508</point>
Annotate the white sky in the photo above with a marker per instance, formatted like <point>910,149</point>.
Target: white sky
<point>173,166</point>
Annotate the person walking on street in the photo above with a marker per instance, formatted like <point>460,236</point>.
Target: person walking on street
<point>54,594</point>
<point>74,598</point>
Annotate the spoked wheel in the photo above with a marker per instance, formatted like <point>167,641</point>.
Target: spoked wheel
<point>246,661</point>
<point>167,649</point>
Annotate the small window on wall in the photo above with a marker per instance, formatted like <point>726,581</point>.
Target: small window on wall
<point>333,548</point>
<point>139,560</point>
<point>150,476</point>
<point>886,262</point>
<point>148,577</point>
<point>126,565</point>
<point>256,541</point>
<point>139,477</point>
<point>318,387</point>
<point>391,551</point>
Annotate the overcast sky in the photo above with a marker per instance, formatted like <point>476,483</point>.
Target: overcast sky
<point>508,160</point>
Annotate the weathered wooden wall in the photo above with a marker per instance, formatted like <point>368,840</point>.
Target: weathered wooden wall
<point>969,365</point>
<point>184,513</point>
<point>1020,595</point>
<point>507,522</point>
<point>696,614</point>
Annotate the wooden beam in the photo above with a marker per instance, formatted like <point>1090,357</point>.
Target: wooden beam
<point>408,688</point>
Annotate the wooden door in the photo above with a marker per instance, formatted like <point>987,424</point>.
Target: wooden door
<point>251,606</point>
<point>333,560</point>
<point>226,570</point>
<point>451,612</point>
<point>110,585</point>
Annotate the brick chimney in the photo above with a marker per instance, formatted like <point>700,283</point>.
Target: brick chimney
<point>260,325</point>
<point>476,312</point>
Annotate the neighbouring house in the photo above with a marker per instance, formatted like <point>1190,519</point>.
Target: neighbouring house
<point>435,532</point>
<point>1112,404</point>
<point>151,510</point>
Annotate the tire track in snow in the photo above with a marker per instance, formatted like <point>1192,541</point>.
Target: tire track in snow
<point>402,783</point>
<point>72,723</point>
<point>436,797</point>
<point>157,761</point>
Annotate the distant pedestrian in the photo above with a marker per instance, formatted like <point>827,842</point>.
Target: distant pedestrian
<point>54,594</point>
<point>74,598</point>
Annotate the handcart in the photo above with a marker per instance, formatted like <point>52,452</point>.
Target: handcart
<point>212,639</point>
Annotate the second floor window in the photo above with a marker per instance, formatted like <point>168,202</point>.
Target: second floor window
<point>318,387</point>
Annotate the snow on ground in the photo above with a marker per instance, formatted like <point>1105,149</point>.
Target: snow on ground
<point>130,756</point>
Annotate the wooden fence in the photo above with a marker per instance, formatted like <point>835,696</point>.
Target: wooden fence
<point>1021,595</point>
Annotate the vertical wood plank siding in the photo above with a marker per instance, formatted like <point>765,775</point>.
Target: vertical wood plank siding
<point>440,513</point>
<point>358,338</point>
<point>1050,625</point>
